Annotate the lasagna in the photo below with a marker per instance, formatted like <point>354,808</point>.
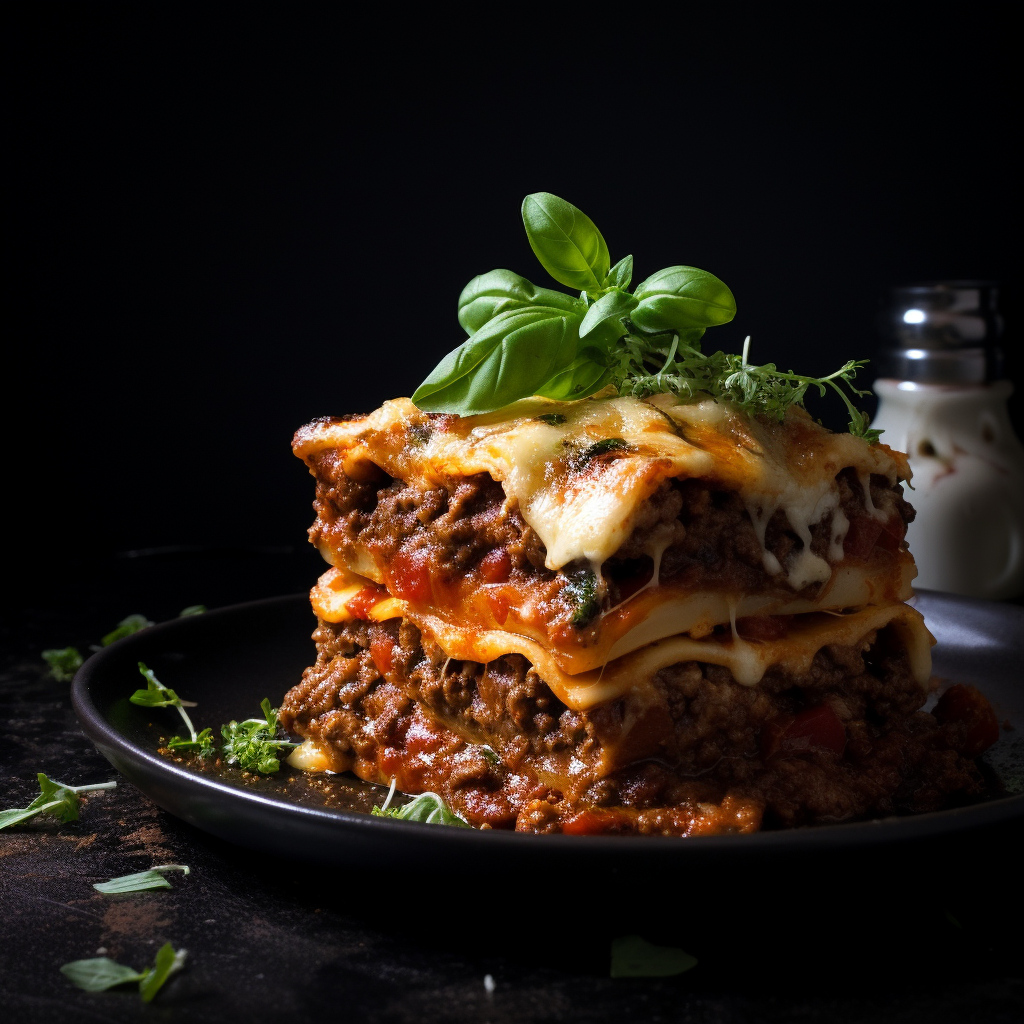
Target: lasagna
<point>623,615</point>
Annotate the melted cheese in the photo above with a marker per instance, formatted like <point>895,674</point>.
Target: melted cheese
<point>652,648</point>
<point>652,614</point>
<point>746,660</point>
<point>583,509</point>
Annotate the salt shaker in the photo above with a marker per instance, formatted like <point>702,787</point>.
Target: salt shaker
<point>941,400</point>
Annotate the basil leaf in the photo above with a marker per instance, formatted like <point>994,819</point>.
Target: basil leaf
<point>499,291</point>
<point>621,274</point>
<point>16,815</point>
<point>679,298</point>
<point>584,376</point>
<point>100,973</point>
<point>635,957</point>
<point>141,880</point>
<point>566,241</point>
<point>610,307</point>
<point>59,800</point>
<point>508,359</point>
<point>167,962</point>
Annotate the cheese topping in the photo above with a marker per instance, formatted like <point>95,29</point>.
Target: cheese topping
<point>582,497</point>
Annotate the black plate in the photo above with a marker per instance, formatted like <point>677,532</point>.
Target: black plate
<point>228,660</point>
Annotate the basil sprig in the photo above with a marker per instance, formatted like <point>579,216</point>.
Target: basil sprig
<point>525,340</point>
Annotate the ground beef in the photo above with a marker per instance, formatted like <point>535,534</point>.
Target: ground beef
<point>707,535</point>
<point>688,755</point>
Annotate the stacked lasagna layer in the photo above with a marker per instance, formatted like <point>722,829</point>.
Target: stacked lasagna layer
<point>618,615</point>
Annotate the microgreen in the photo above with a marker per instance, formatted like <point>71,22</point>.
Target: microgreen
<point>64,662</point>
<point>140,881</point>
<point>525,340</point>
<point>126,627</point>
<point>101,973</point>
<point>202,743</point>
<point>255,744</point>
<point>156,695</point>
<point>55,799</point>
<point>427,807</point>
<point>634,957</point>
<point>192,609</point>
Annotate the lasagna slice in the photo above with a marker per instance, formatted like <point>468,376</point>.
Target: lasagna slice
<point>620,615</point>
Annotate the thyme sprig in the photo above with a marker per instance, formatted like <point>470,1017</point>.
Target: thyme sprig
<point>758,390</point>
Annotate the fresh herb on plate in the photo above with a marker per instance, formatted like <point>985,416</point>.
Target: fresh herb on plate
<point>126,627</point>
<point>64,662</point>
<point>255,744</point>
<point>525,341</point>
<point>192,609</point>
<point>427,807</point>
<point>140,881</point>
<point>101,973</point>
<point>635,957</point>
<point>55,799</point>
<point>156,695</point>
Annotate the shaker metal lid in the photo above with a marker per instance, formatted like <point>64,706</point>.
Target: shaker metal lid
<point>942,332</point>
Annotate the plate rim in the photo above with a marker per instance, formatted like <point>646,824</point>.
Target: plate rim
<point>844,835</point>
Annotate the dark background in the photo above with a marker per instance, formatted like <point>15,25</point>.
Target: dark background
<point>217,241</point>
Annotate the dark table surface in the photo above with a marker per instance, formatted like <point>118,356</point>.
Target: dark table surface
<point>924,930</point>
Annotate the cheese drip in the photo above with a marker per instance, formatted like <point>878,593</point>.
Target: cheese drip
<point>583,503</point>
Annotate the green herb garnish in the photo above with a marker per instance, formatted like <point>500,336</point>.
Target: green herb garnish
<point>156,695</point>
<point>525,341</point>
<point>581,590</point>
<point>552,419</point>
<point>64,662</point>
<point>580,457</point>
<point>55,799</point>
<point>192,609</point>
<point>101,973</point>
<point>635,957</point>
<point>427,807</point>
<point>201,743</point>
<point>126,627</point>
<point>254,745</point>
<point>141,880</point>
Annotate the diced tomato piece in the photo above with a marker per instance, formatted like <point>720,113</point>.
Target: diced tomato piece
<point>762,627</point>
<point>976,722</point>
<point>499,605</point>
<point>382,650</point>
<point>893,532</point>
<point>866,533</point>
<point>593,822</point>
<point>361,604</point>
<point>423,738</point>
<point>496,565</point>
<point>409,574</point>
<point>816,728</point>
<point>861,536</point>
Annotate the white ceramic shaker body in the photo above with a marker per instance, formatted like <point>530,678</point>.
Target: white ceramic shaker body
<point>968,485</point>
